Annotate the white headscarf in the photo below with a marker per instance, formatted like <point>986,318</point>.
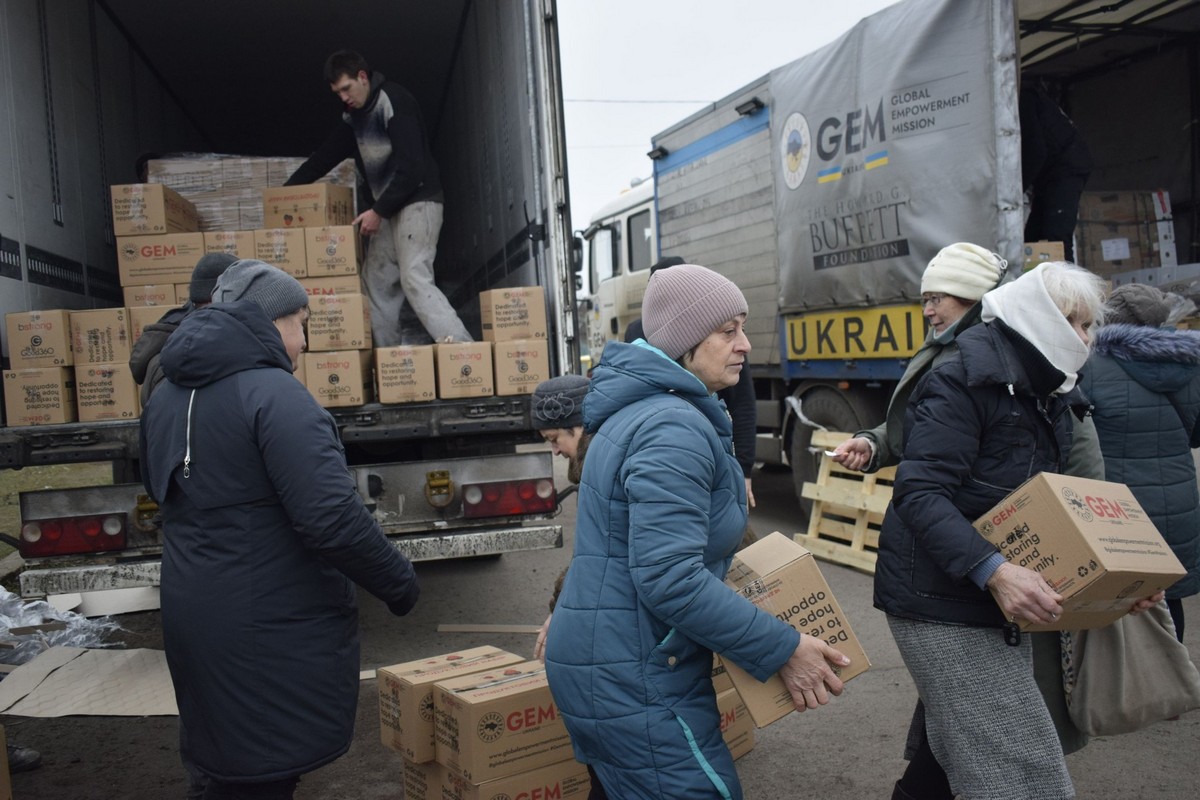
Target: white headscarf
<point>1026,307</point>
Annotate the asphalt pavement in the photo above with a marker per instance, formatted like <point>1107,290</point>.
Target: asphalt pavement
<point>848,750</point>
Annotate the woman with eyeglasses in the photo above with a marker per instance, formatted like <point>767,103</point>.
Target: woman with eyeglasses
<point>980,423</point>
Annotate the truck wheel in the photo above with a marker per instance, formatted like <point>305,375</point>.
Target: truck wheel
<point>831,409</point>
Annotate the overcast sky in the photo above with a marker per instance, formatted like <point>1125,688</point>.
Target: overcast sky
<point>674,57</point>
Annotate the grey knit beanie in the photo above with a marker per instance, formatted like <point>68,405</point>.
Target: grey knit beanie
<point>270,288</point>
<point>1137,304</point>
<point>558,402</point>
<point>205,274</point>
<point>684,304</point>
<point>963,270</point>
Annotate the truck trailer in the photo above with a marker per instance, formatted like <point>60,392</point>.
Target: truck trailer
<point>824,187</point>
<point>87,86</point>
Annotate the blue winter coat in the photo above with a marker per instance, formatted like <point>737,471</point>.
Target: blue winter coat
<point>263,539</point>
<point>662,507</point>
<point>1145,386</point>
<point>978,425</point>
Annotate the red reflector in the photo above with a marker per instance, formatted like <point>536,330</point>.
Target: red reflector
<point>74,535</point>
<point>506,499</point>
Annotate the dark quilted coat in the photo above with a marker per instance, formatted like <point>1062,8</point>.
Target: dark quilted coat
<point>264,539</point>
<point>1145,386</point>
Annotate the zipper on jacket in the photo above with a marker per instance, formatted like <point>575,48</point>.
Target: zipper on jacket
<point>187,452</point>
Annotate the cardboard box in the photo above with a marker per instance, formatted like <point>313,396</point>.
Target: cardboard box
<point>100,336</point>
<point>164,294</point>
<point>498,723</point>
<point>5,780</point>
<point>464,369</point>
<point>566,780</point>
<point>307,206</point>
<point>150,208</point>
<point>1123,231</point>
<point>239,244</point>
<point>1040,252</point>
<point>405,374</point>
<point>39,339</point>
<point>141,316</point>
<point>169,258</point>
<point>338,322</point>
<point>334,284</point>
<point>339,378</point>
<point>406,696</point>
<point>423,781</point>
<point>515,313</point>
<point>39,396</point>
<point>720,676</point>
<point>737,726</point>
<point>332,251</point>
<point>782,578</point>
<point>1089,539</point>
<point>106,391</point>
<point>520,365</point>
<point>283,248</point>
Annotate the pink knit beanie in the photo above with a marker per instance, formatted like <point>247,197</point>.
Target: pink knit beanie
<point>684,304</point>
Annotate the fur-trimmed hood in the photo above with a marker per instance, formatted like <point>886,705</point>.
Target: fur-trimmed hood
<point>1163,359</point>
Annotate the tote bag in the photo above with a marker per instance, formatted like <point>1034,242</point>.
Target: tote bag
<point>1131,674</point>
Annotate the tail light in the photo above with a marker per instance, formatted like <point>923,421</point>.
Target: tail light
<point>71,535</point>
<point>508,498</point>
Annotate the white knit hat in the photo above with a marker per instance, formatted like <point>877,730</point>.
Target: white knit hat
<point>963,270</point>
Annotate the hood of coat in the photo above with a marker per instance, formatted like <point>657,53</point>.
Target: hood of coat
<point>628,373</point>
<point>1161,359</point>
<point>219,340</point>
<point>995,354</point>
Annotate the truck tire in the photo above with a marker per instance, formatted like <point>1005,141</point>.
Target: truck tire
<point>835,411</point>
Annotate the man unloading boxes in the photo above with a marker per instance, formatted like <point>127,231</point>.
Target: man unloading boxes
<point>383,130</point>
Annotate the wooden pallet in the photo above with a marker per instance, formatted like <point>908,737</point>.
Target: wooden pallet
<point>847,511</point>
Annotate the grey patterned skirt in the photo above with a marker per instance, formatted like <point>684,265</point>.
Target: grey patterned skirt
<point>986,721</point>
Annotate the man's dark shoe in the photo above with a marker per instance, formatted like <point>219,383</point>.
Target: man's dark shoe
<point>23,759</point>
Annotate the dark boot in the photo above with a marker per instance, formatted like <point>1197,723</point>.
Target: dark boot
<point>23,759</point>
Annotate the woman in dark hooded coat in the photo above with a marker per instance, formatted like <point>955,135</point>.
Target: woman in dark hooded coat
<point>1144,381</point>
<point>264,539</point>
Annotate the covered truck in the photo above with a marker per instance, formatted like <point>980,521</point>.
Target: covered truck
<point>824,187</point>
<point>88,86</point>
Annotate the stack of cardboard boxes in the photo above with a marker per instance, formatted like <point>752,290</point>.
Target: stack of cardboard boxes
<point>1123,231</point>
<point>480,724</point>
<point>477,724</point>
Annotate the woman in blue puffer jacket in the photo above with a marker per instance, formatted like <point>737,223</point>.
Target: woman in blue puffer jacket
<point>662,507</point>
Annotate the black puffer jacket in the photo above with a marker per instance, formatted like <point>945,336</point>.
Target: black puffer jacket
<point>144,360</point>
<point>978,425</point>
<point>264,539</point>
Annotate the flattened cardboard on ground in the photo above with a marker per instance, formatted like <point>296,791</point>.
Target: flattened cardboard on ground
<point>1089,539</point>
<point>406,696</point>
<point>107,602</point>
<point>566,780</point>
<point>782,578</point>
<point>65,681</point>
<point>737,726</point>
<point>5,781</point>
<point>498,723</point>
